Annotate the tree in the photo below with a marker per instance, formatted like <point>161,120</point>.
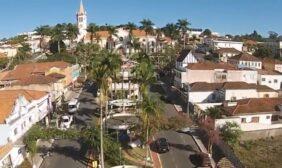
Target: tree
<point>43,31</point>
<point>231,133</point>
<point>207,32</point>
<point>171,30</point>
<point>263,51</point>
<point>273,35</point>
<point>213,112</point>
<point>58,35</point>
<point>130,27</point>
<point>147,26</point>
<point>92,29</point>
<point>182,25</point>
<point>110,41</point>
<point>71,34</point>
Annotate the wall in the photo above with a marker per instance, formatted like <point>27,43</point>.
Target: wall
<point>278,67</point>
<point>270,94</point>
<point>202,97</point>
<point>268,80</point>
<point>250,64</point>
<point>240,94</point>
<point>228,44</point>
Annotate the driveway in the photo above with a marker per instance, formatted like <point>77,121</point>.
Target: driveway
<point>182,150</point>
<point>66,154</point>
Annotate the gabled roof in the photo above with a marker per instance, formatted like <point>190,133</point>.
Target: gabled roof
<point>254,106</point>
<point>245,57</point>
<point>38,79</point>
<point>268,72</point>
<point>183,54</point>
<point>207,65</point>
<point>204,86</point>
<point>238,85</point>
<point>8,98</point>
<point>227,50</point>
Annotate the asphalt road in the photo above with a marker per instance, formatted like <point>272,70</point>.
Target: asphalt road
<point>182,150</point>
<point>66,154</point>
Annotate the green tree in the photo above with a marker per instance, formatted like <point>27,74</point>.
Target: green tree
<point>231,133</point>
<point>207,32</point>
<point>213,112</point>
<point>110,41</point>
<point>58,35</point>
<point>130,26</point>
<point>273,35</point>
<point>43,31</point>
<point>92,29</point>
<point>71,34</point>
<point>171,30</point>
<point>182,25</point>
<point>147,26</point>
<point>263,51</point>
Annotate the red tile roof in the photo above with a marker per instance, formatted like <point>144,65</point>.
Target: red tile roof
<point>254,105</point>
<point>8,98</point>
<point>227,50</point>
<point>245,57</point>
<point>211,66</point>
<point>138,33</point>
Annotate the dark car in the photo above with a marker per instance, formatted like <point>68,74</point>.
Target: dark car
<point>162,145</point>
<point>165,99</point>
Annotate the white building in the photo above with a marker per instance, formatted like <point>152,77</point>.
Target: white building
<point>225,53</point>
<point>20,109</point>
<point>81,18</point>
<point>192,32</point>
<point>217,44</point>
<point>245,60</point>
<point>185,57</point>
<point>213,73</point>
<point>253,114</point>
<point>272,79</point>
<point>9,50</point>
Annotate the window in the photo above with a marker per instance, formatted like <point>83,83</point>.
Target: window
<point>30,119</point>
<point>255,119</point>
<point>267,117</point>
<point>274,118</point>
<point>266,95</point>
<point>269,82</point>
<point>262,79</point>
<point>15,131</point>
<point>275,80</point>
<point>243,120</point>
<point>233,98</point>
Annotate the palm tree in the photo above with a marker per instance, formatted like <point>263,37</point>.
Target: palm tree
<point>71,34</point>
<point>171,30</point>
<point>43,31</point>
<point>147,26</point>
<point>150,111</point>
<point>92,29</point>
<point>58,35</point>
<point>130,27</point>
<point>182,25</point>
<point>112,32</point>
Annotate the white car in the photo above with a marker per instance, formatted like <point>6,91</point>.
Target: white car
<point>65,122</point>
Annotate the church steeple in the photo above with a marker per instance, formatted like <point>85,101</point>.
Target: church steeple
<point>81,17</point>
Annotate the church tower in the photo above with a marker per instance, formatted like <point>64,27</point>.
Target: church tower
<point>81,18</point>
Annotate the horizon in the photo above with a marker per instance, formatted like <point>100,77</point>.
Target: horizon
<point>26,18</point>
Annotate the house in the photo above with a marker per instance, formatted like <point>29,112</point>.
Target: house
<point>225,53</point>
<point>202,92</point>
<point>20,109</point>
<point>100,37</point>
<point>211,72</point>
<point>194,32</point>
<point>252,114</point>
<point>245,60</point>
<point>9,50</point>
<point>217,44</point>
<point>187,56</point>
<point>146,40</point>
<point>272,79</point>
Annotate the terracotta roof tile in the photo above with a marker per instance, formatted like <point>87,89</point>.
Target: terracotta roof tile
<point>203,86</point>
<point>3,55</point>
<point>245,57</point>
<point>36,79</point>
<point>5,149</point>
<point>138,33</point>
<point>268,72</point>
<point>210,66</point>
<point>8,98</point>
<point>254,105</point>
<point>227,50</point>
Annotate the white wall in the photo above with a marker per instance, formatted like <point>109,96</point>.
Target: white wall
<point>201,97</point>
<point>250,64</point>
<point>278,67</point>
<point>272,81</point>
<point>228,44</point>
<point>241,94</point>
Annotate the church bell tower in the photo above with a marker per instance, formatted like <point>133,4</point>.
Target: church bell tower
<point>81,18</point>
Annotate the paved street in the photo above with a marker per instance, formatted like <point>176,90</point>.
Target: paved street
<point>66,154</point>
<point>182,150</point>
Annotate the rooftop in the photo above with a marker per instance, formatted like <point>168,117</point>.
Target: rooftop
<point>210,66</point>
<point>9,97</point>
<point>227,50</point>
<point>254,105</point>
<point>245,57</point>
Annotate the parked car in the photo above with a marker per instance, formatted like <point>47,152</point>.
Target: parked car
<point>73,105</point>
<point>165,99</point>
<point>162,145</point>
<point>65,122</point>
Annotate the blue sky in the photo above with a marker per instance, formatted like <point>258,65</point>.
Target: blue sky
<point>223,16</point>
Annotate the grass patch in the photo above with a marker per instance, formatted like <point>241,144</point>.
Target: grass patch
<point>260,153</point>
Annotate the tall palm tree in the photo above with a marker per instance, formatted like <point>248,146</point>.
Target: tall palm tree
<point>112,32</point>
<point>43,31</point>
<point>58,35</point>
<point>171,30</point>
<point>147,26</point>
<point>130,27</point>
<point>182,25</point>
<point>150,111</point>
<point>71,34</point>
<point>92,29</point>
